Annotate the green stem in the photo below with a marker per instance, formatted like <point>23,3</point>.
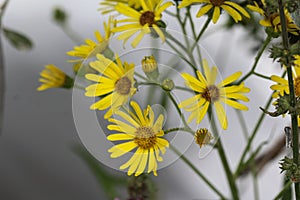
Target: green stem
<point>178,129</point>
<point>179,112</point>
<point>286,186</point>
<point>201,33</point>
<point>208,183</point>
<point>71,34</point>
<point>219,145</point>
<point>195,36</point>
<point>250,140</point>
<point>261,76</point>
<point>294,116</point>
<point>257,58</point>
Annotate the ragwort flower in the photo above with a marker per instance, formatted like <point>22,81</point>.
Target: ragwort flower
<point>140,132</point>
<point>141,21</point>
<point>282,86</point>
<point>208,93</point>
<point>53,77</point>
<point>115,84</point>
<point>233,9</point>
<point>273,19</point>
<point>91,48</point>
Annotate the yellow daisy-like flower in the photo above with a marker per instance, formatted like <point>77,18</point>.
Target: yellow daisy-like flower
<point>140,131</point>
<point>115,84</point>
<point>91,48</point>
<point>273,19</point>
<point>108,6</point>
<point>208,93</point>
<point>53,77</point>
<point>297,60</point>
<point>141,21</point>
<point>282,86</point>
<point>233,9</point>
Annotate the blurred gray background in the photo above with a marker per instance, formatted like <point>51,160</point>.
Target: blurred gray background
<point>36,160</point>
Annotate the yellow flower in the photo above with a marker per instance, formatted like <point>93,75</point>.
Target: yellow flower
<point>203,137</point>
<point>233,9</point>
<point>91,48</point>
<point>108,6</point>
<point>297,60</point>
<point>282,86</point>
<point>115,84</point>
<point>208,93</point>
<point>141,131</point>
<point>53,77</point>
<point>273,19</point>
<point>141,21</point>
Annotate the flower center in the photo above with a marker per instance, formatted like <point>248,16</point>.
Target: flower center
<point>123,86</point>
<point>147,17</point>
<point>145,137</point>
<point>217,2</point>
<point>297,86</point>
<point>211,94</point>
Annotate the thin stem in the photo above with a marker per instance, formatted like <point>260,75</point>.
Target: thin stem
<point>201,33</point>
<point>184,89</point>
<point>257,58</point>
<point>219,145</point>
<point>71,34</point>
<point>177,129</point>
<point>294,119</point>
<point>286,186</point>
<point>250,140</point>
<point>179,111</point>
<point>208,183</point>
<point>195,36</point>
<point>253,168</point>
<point>261,76</point>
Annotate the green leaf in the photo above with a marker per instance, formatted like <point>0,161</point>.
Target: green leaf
<point>17,40</point>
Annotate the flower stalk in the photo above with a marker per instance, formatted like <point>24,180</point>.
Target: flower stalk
<point>294,120</point>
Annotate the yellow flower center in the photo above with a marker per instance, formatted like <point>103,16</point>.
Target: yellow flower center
<point>123,86</point>
<point>211,93</point>
<point>147,17</point>
<point>297,86</point>
<point>217,2</point>
<point>145,137</point>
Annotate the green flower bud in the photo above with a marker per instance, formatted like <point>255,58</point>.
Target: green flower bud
<point>150,67</point>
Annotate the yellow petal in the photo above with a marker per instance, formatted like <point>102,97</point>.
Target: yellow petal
<point>230,79</point>
<point>233,13</point>
<point>121,149</point>
<point>204,9</point>
<point>142,164</point>
<point>119,136</point>
<point>216,14</point>
<point>221,115</point>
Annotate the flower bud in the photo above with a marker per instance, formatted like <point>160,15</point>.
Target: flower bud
<point>203,137</point>
<point>150,68</point>
<point>168,84</point>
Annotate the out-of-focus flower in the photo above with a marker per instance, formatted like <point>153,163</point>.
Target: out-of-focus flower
<point>233,9</point>
<point>208,93</point>
<point>114,85</point>
<point>53,77</point>
<point>149,17</point>
<point>141,131</point>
